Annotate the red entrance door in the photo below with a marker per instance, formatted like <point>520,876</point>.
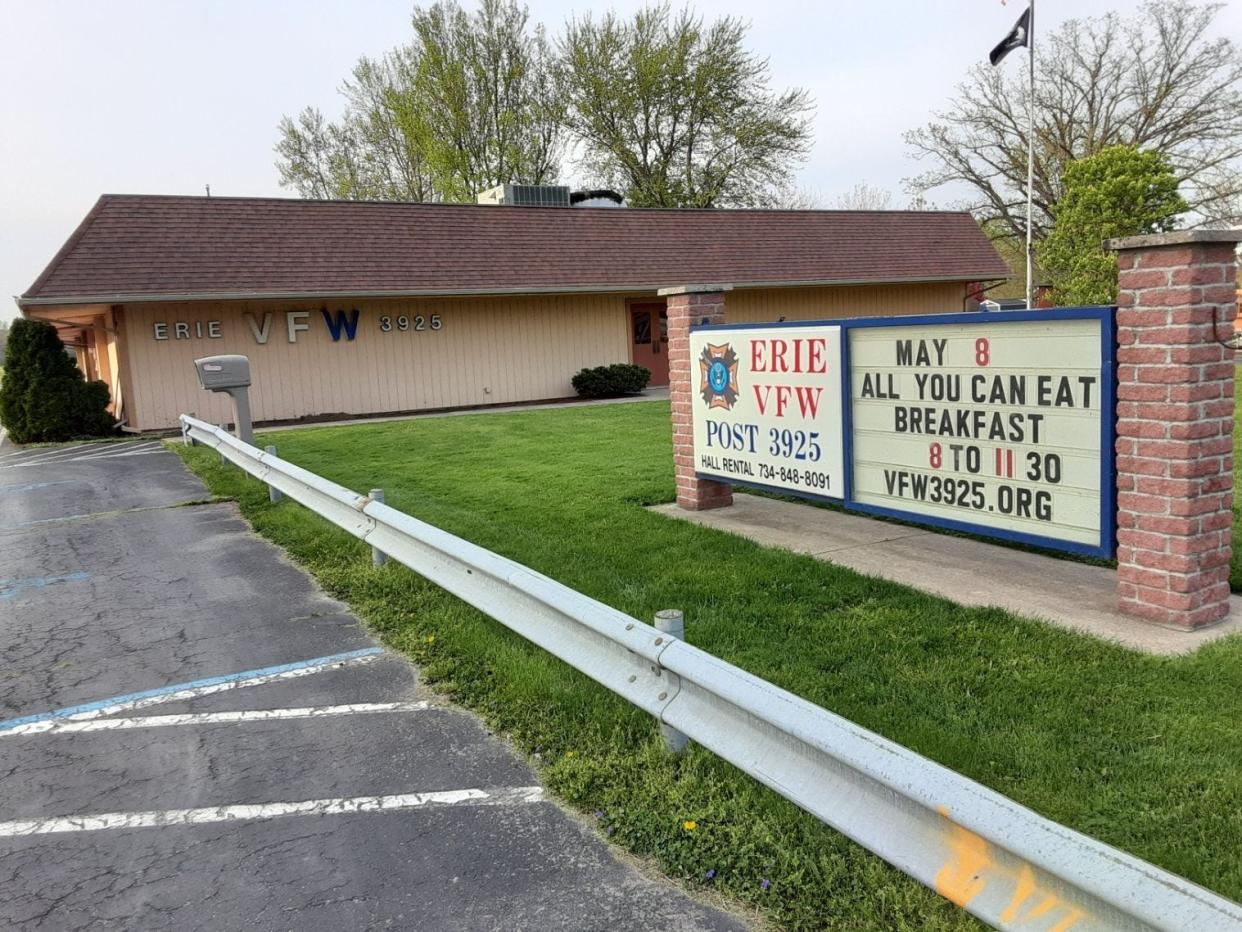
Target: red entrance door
<point>649,327</point>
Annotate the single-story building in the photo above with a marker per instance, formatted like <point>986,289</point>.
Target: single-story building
<point>368,308</point>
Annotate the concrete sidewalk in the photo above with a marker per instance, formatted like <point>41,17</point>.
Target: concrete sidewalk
<point>1065,593</point>
<point>657,393</point>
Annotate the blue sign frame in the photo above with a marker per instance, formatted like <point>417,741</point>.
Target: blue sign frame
<point>1108,422</point>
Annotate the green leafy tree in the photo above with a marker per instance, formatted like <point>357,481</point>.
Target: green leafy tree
<point>676,113</point>
<point>485,103</point>
<point>368,154</point>
<point>1119,191</point>
<point>44,396</point>
<point>469,103</point>
<point>1158,80</point>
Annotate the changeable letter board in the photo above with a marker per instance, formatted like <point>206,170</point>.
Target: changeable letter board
<point>768,407</point>
<point>989,425</point>
<point>995,424</point>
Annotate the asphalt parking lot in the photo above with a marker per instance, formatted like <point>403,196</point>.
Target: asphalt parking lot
<point>194,736</point>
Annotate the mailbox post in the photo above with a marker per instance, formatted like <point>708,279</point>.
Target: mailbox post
<point>231,375</point>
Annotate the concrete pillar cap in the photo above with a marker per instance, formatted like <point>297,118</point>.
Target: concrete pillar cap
<point>701,289</point>
<point>1176,238</point>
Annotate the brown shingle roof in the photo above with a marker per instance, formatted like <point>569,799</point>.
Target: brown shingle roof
<point>136,247</point>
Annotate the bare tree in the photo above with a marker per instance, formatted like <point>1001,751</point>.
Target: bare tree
<point>797,197</point>
<point>865,197</point>
<point>1156,81</point>
<point>862,197</point>
<point>305,148</point>
<point>920,201</point>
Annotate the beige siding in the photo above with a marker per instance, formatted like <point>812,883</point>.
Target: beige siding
<point>488,351</point>
<point>125,385</point>
<point>117,403</point>
<point>763,304</point>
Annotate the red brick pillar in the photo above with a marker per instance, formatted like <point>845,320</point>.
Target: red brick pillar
<point>1176,302</point>
<point>690,304</point>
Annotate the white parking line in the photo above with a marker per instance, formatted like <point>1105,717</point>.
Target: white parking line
<point>121,449</point>
<point>358,804</point>
<point>34,457</point>
<point>47,452</point>
<point>194,689</point>
<point>65,726</point>
<point>121,456</point>
<point>39,459</point>
<point>89,451</point>
<point>44,451</point>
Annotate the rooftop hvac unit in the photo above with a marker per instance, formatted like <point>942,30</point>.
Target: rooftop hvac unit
<point>526,195</point>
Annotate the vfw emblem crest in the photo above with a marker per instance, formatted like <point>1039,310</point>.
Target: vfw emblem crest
<point>718,376</point>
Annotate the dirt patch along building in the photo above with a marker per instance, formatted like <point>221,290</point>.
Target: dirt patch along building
<point>368,308</point>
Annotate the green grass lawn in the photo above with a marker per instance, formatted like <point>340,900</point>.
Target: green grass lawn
<point>1142,752</point>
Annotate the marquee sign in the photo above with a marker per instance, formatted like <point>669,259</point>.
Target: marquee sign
<point>768,407</point>
<point>996,424</point>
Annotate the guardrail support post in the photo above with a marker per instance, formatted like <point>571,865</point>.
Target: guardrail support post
<point>672,622</point>
<point>378,557</point>
<point>273,494</point>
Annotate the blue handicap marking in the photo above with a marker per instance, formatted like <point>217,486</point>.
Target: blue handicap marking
<point>103,705</point>
<point>30,487</point>
<point>12,588</point>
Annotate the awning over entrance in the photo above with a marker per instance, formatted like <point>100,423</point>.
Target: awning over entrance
<point>90,332</point>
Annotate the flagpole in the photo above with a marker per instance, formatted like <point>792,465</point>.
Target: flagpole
<point>1030,150</point>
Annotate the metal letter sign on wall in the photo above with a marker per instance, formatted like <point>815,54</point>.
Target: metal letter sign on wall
<point>995,424</point>
<point>768,407</point>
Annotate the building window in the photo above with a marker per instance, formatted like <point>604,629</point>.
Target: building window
<point>642,328</point>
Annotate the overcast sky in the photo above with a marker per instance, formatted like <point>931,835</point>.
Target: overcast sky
<point>164,97</point>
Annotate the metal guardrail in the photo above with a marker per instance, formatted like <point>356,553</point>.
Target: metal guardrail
<point>1007,865</point>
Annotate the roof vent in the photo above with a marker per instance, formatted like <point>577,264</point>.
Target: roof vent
<point>597,197</point>
<point>526,195</point>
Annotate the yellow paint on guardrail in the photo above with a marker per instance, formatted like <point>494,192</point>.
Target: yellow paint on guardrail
<point>962,878</point>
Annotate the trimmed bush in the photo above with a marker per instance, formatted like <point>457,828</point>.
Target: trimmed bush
<point>611,381</point>
<point>44,397</point>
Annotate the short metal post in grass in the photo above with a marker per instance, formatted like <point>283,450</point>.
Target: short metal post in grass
<point>378,557</point>
<point>273,494</point>
<point>672,622</point>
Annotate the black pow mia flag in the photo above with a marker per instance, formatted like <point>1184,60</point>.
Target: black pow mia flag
<point>1018,37</point>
